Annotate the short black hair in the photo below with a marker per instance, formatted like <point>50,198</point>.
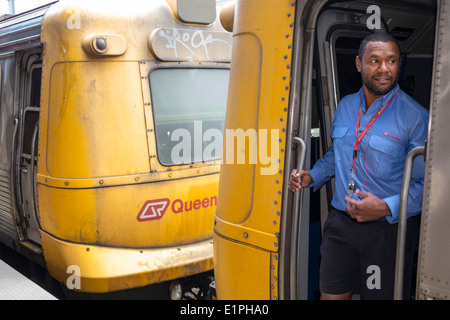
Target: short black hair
<point>383,37</point>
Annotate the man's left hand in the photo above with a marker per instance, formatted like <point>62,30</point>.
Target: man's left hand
<point>368,209</point>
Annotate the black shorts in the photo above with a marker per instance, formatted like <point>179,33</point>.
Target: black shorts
<point>360,257</point>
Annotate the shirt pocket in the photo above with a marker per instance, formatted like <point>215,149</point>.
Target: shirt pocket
<point>341,138</point>
<point>385,157</point>
<point>339,132</point>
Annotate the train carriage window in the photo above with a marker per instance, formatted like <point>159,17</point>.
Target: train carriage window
<point>31,112</point>
<point>35,88</point>
<point>189,107</point>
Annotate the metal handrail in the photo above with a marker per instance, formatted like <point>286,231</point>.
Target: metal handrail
<point>402,221</point>
<point>301,153</point>
<point>33,173</point>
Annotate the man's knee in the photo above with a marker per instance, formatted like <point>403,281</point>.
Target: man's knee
<point>344,296</point>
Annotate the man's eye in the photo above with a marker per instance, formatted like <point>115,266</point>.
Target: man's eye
<point>374,61</point>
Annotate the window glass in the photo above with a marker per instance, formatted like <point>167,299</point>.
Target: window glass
<point>189,107</point>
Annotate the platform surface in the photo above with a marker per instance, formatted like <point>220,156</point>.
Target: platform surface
<point>15,286</point>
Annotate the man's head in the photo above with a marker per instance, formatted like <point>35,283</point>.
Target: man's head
<point>379,61</point>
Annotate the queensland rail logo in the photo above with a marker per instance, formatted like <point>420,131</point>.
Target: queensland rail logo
<point>153,209</point>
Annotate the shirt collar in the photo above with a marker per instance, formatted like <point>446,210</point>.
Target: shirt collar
<point>380,101</point>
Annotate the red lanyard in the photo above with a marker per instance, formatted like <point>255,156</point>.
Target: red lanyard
<point>363,133</point>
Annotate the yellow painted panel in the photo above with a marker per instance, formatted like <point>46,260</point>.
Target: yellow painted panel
<point>243,102</point>
<point>241,272</point>
<point>115,216</point>
<point>105,269</point>
<point>250,193</point>
<point>248,222</point>
<point>96,123</point>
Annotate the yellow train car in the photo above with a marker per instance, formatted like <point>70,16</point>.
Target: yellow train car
<point>292,62</point>
<point>111,138</point>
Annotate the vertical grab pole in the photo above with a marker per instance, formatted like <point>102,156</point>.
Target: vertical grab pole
<point>402,221</point>
<point>33,173</point>
<point>301,152</point>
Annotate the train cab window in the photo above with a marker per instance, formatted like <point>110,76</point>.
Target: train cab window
<point>349,80</point>
<point>415,70</point>
<point>189,107</point>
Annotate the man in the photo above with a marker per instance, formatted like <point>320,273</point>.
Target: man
<point>373,131</point>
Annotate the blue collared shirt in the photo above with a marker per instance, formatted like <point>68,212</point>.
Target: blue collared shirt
<point>381,155</point>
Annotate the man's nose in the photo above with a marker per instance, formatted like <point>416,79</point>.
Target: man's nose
<point>383,67</point>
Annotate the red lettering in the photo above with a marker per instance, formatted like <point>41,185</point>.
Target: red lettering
<point>180,206</point>
<point>186,206</point>
<point>197,204</point>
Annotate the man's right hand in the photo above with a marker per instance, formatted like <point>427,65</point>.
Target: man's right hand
<point>299,180</point>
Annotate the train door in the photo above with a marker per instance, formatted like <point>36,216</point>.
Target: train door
<point>29,104</point>
<point>340,28</point>
<point>334,75</point>
<point>267,239</point>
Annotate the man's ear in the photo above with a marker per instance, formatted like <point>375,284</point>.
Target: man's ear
<point>358,63</point>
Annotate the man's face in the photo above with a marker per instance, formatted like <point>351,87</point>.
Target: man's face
<point>379,67</point>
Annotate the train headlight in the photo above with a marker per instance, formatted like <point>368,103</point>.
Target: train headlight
<point>104,44</point>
